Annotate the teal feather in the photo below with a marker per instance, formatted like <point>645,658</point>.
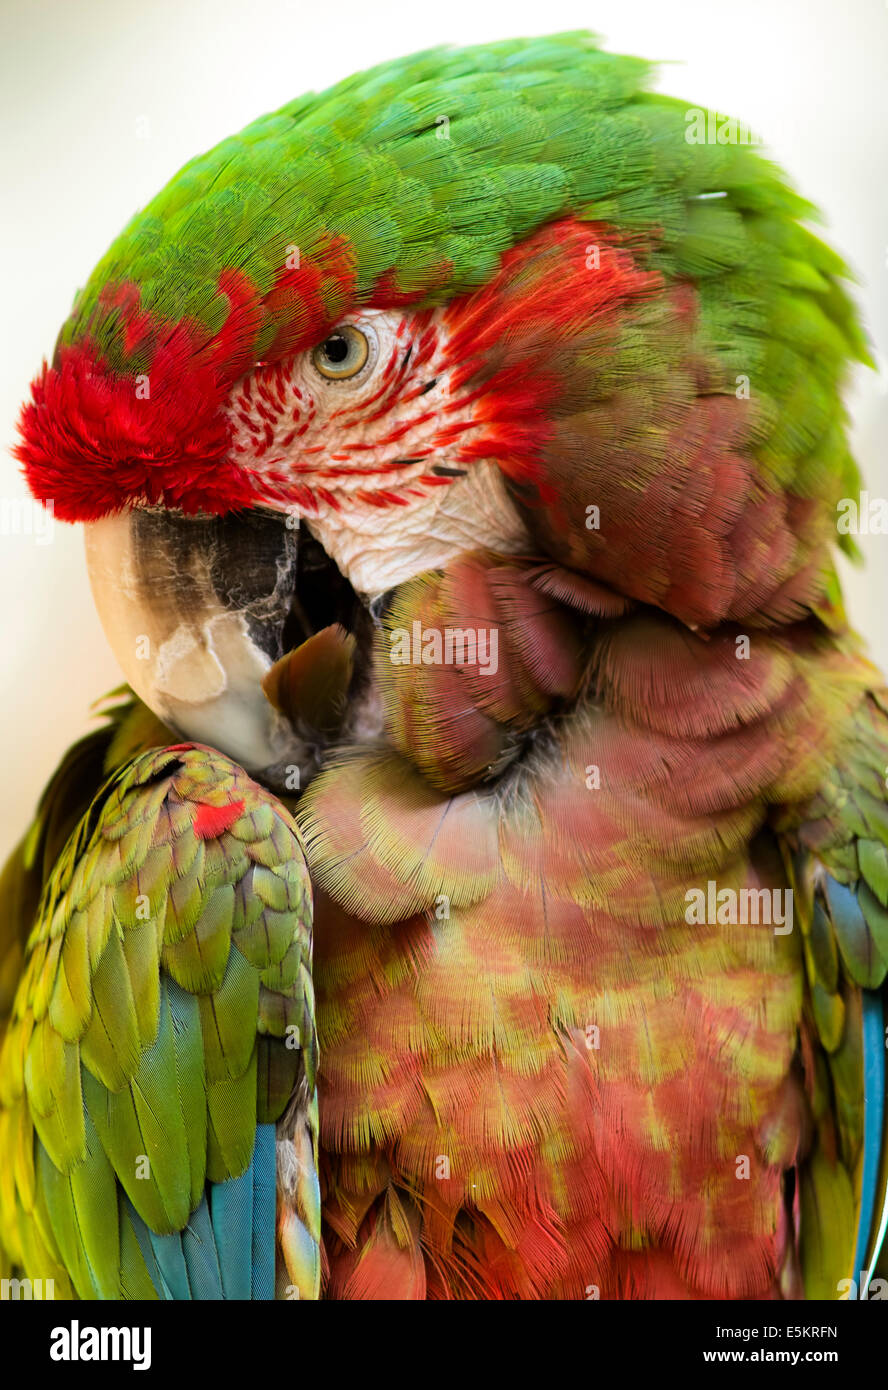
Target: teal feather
<point>873,1125</point>
<point>264,1198</point>
<point>202,1256</point>
<point>231,1213</point>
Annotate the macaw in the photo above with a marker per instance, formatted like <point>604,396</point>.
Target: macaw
<point>482,890</point>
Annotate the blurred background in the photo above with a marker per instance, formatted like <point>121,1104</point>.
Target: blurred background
<point>100,103</point>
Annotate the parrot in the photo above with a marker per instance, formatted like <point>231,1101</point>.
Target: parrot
<point>479,888</point>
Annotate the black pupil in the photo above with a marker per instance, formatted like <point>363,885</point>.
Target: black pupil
<point>336,348</point>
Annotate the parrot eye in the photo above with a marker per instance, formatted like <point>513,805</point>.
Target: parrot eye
<point>343,354</point>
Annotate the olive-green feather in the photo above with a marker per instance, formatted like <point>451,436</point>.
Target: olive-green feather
<point>130,1063</point>
<point>839,841</point>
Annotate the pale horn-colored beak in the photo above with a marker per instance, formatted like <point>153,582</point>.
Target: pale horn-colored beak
<point>195,610</point>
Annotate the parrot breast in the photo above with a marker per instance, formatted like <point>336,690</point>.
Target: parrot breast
<point>524,1036</point>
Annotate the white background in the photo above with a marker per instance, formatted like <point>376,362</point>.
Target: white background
<point>83,81</point>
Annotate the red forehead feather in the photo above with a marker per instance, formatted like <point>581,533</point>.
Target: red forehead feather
<point>91,442</point>
<point>95,437</point>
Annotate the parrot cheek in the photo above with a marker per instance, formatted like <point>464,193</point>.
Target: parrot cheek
<point>197,612</point>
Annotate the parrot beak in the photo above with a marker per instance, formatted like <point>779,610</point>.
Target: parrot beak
<point>237,631</point>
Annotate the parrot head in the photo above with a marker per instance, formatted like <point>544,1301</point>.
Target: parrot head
<point>485,301</point>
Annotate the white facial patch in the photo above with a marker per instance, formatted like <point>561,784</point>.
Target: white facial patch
<point>377,550</point>
<point>355,459</point>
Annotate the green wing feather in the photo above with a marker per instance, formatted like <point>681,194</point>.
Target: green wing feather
<point>837,852</point>
<point>148,1036</point>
